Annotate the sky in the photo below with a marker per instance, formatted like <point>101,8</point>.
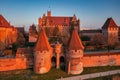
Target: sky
<point>92,13</point>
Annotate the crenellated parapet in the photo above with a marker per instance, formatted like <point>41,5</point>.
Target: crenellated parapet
<point>75,53</point>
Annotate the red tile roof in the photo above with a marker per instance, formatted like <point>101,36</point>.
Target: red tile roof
<point>4,22</point>
<point>54,20</point>
<point>42,42</point>
<point>75,42</point>
<point>109,23</point>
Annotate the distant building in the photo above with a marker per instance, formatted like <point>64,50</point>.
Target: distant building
<point>8,33</point>
<point>110,31</point>
<point>33,33</point>
<point>65,24</point>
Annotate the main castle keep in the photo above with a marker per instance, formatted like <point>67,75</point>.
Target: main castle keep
<point>43,56</point>
<point>63,23</point>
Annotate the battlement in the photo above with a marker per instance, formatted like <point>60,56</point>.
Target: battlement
<point>76,53</point>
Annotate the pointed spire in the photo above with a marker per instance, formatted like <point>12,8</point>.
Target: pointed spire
<point>109,24</point>
<point>75,42</point>
<point>42,42</point>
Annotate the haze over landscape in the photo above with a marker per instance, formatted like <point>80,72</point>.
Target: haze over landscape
<point>92,13</point>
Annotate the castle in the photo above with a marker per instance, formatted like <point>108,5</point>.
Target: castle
<point>63,23</point>
<point>43,56</point>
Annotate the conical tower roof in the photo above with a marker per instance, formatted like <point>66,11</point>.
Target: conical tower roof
<point>42,42</point>
<point>3,21</point>
<point>109,24</point>
<point>75,42</point>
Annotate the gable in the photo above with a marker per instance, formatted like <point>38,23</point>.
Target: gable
<point>3,22</point>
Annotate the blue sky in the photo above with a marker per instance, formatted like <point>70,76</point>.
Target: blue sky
<point>92,13</point>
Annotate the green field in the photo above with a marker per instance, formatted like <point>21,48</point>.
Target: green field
<point>53,74</point>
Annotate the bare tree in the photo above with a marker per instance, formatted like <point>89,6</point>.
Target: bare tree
<point>98,41</point>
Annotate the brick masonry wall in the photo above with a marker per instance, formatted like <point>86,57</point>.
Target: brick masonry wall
<point>12,64</point>
<point>91,60</point>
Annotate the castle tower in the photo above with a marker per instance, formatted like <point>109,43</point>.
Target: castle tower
<point>74,55</point>
<point>43,54</point>
<point>74,18</point>
<point>48,13</point>
<point>57,52</point>
<point>110,31</point>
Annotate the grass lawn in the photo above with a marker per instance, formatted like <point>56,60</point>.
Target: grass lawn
<point>53,74</point>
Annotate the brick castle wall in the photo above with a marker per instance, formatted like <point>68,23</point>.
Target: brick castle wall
<point>102,59</point>
<point>12,64</point>
<point>89,60</point>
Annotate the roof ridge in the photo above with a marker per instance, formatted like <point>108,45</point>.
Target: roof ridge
<point>3,21</point>
<point>109,23</point>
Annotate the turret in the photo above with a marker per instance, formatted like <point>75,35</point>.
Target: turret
<point>48,13</point>
<point>110,31</point>
<point>74,55</point>
<point>74,18</point>
<point>42,54</point>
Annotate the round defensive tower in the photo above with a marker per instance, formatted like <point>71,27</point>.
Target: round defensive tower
<point>42,54</point>
<point>75,53</point>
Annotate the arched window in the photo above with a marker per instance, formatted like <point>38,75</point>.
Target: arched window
<point>53,60</point>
